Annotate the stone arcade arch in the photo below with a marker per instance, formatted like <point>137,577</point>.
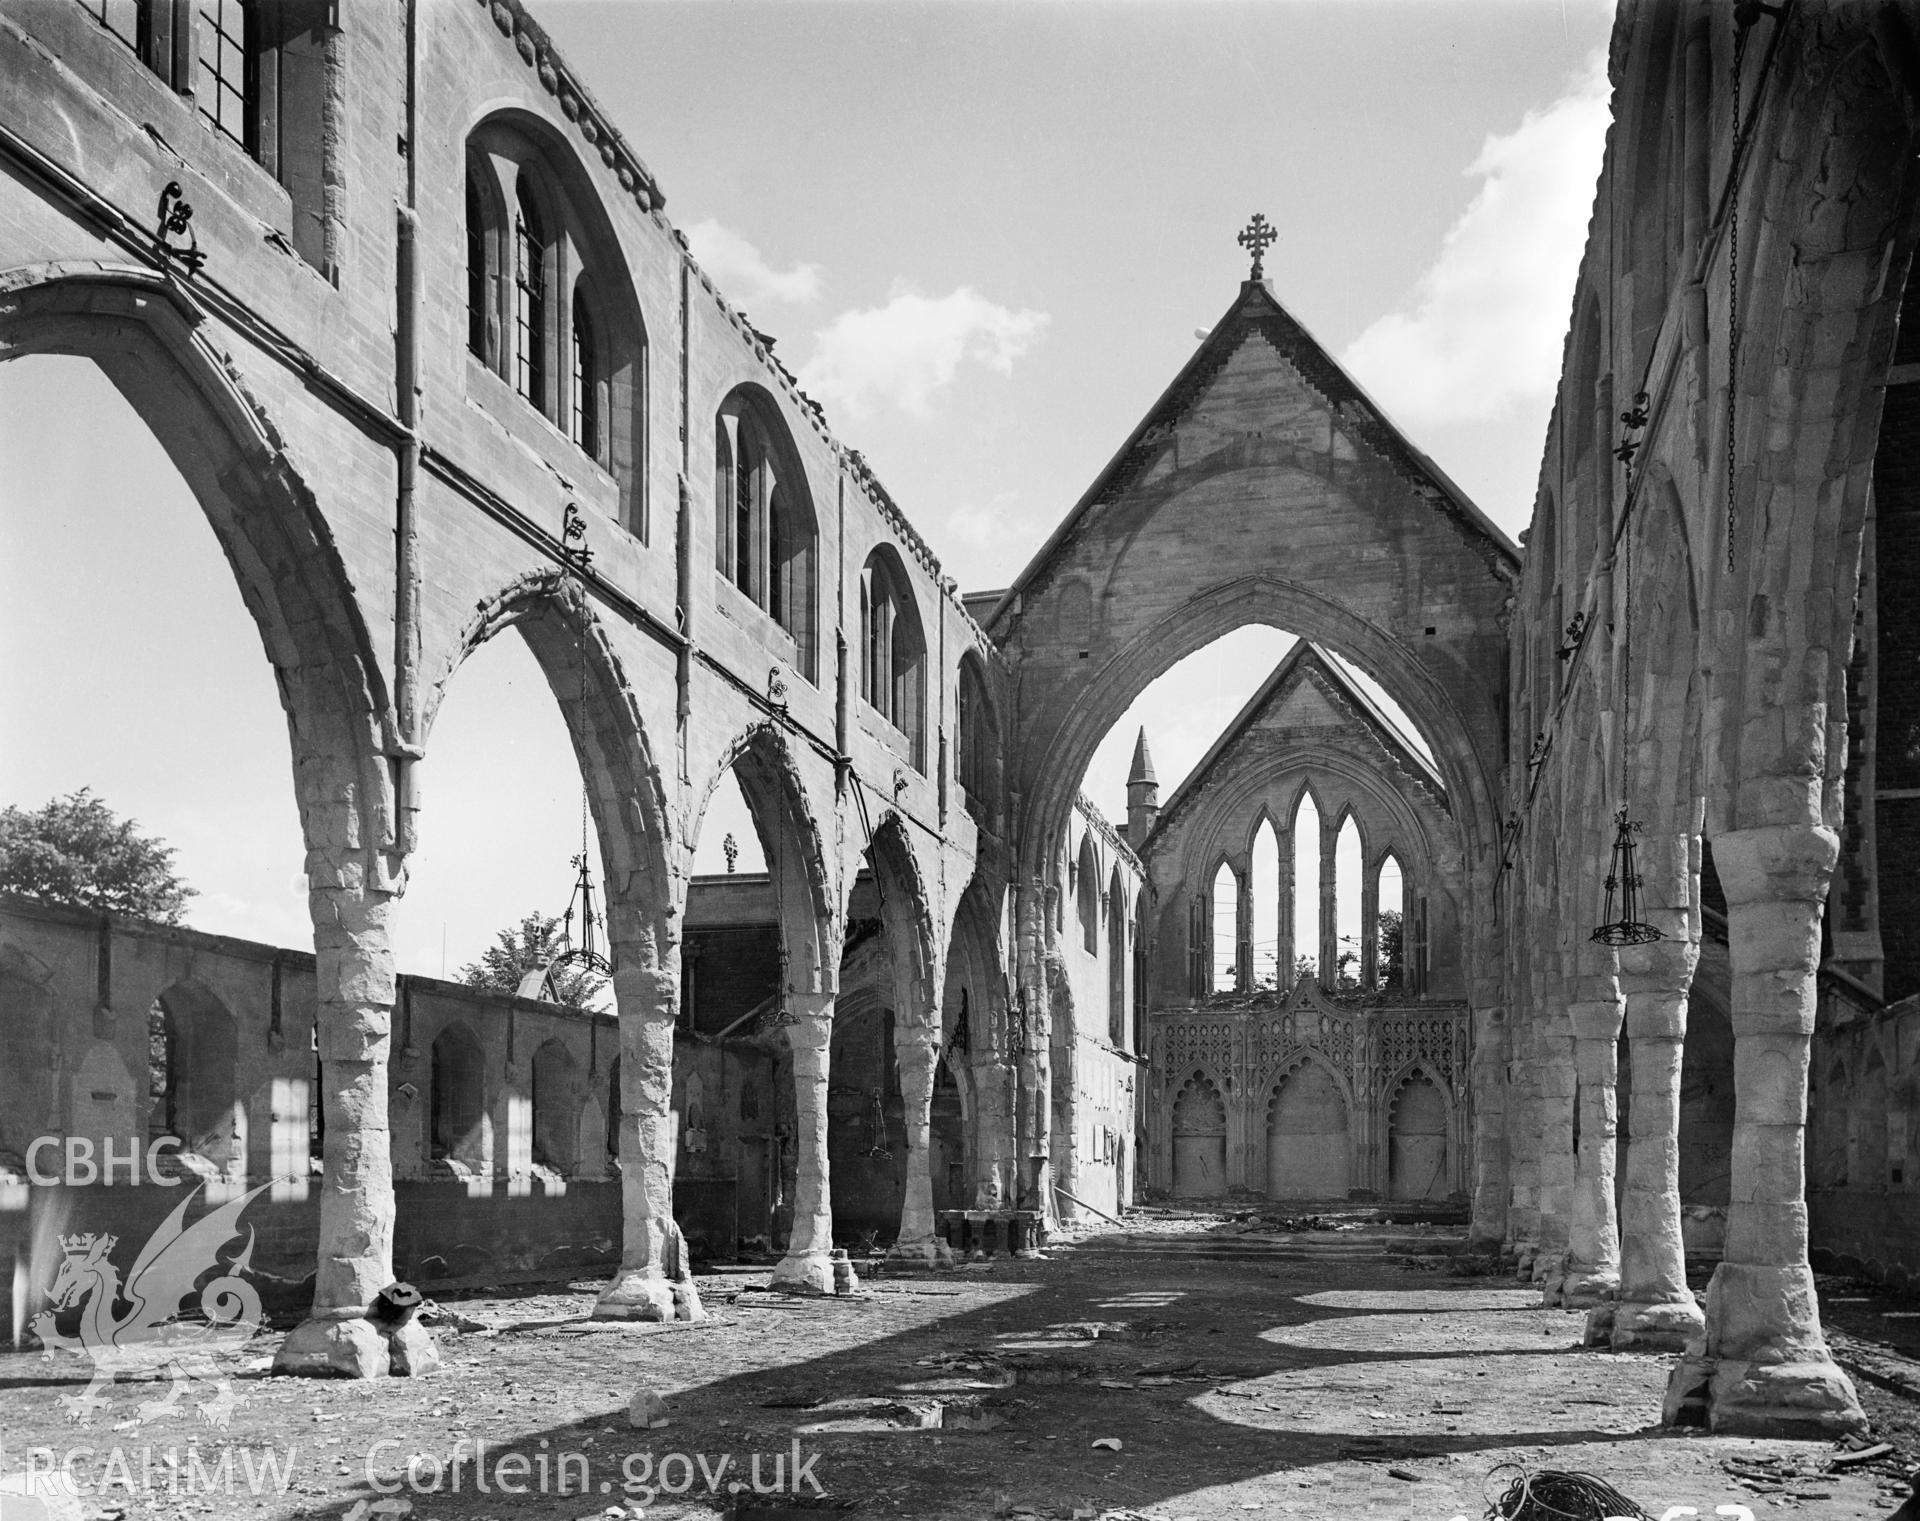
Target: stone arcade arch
<point>1262,487</point>
<point>627,804</point>
<point>974,1017</point>
<point>158,345</point>
<point>372,481</point>
<point>907,922</point>
<point>1767,568</point>
<point>762,761</point>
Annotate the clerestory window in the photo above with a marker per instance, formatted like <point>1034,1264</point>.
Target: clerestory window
<point>765,541</point>
<point>894,649</point>
<point>255,72</point>
<point>550,309</point>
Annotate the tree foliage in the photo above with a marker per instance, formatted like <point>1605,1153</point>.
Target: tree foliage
<point>78,851</point>
<point>530,946</point>
<point>1393,961</point>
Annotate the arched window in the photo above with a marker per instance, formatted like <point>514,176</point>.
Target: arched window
<point>1116,962</point>
<point>529,299</point>
<point>583,423</point>
<point>1137,935</point>
<point>457,1103</point>
<point>894,650</point>
<point>550,306</point>
<point>163,1086</point>
<point>1264,895</point>
<point>1226,928</point>
<point>1087,897</point>
<point>764,538</point>
<point>1347,923</point>
<point>1390,938</point>
<point>193,1055</point>
<point>613,1112</point>
<point>1306,890</point>
<point>1200,944</point>
<point>978,739</point>
<point>556,1107</point>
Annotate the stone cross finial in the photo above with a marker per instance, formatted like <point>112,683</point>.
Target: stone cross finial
<point>1257,237</point>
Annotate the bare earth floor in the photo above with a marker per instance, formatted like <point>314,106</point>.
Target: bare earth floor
<point>1319,1374</point>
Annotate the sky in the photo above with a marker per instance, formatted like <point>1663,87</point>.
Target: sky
<point>986,237</point>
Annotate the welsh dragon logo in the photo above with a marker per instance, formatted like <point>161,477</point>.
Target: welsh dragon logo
<point>151,1335</point>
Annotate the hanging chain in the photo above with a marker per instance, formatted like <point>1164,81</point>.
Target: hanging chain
<point>577,557</point>
<point>1626,660</point>
<point>1733,285</point>
<point>580,654</point>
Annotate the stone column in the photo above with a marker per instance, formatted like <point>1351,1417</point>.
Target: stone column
<point>1764,1364</point>
<point>1329,930</point>
<point>808,1263</point>
<point>1036,1062</point>
<point>354,983</point>
<point>1523,1215</point>
<point>917,1049</point>
<point>1243,929</point>
<point>1062,1095</point>
<point>1656,1310</point>
<point>655,1280</point>
<point>1593,1247</point>
<point>1554,1083</point>
<point>1369,928</point>
<point>994,1121</point>
<point>1286,950</point>
<point>1488,1083</point>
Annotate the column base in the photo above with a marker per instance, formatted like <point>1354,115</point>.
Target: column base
<point>1671,1326</point>
<point>1806,1401</point>
<point>1584,1289</point>
<point>348,1345</point>
<point>1549,1270</point>
<point>1598,1331</point>
<point>805,1271</point>
<point>932,1251</point>
<point>642,1295</point>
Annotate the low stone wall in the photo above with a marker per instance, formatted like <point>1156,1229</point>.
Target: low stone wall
<point>446,1234</point>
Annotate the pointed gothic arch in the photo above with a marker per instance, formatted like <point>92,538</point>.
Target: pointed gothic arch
<point>1308,1124</point>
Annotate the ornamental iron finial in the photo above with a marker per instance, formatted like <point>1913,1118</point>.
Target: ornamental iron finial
<point>1257,237</point>
<point>574,553</point>
<point>173,234</point>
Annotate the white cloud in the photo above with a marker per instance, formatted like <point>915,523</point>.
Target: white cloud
<point>982,525</point>
<point>742,271</point>
<point>913,346</point>
<point>1491,313</point>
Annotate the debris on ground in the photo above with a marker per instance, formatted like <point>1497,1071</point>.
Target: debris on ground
<point>432,1313</point>
<point>646,1410</point>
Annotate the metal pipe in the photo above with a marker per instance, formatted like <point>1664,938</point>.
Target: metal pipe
<point>843,763</point>
<point>404,743</point>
